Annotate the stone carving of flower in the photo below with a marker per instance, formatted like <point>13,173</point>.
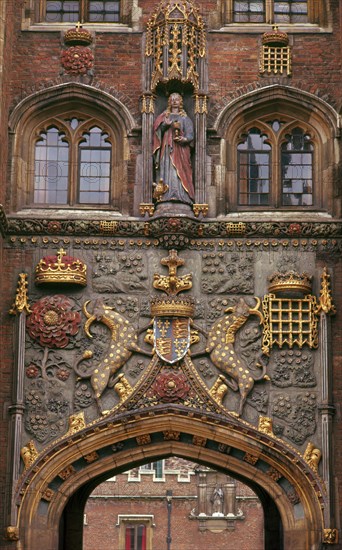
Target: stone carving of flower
<point>32,371</point>
<point>171,386</point>
<point>77,60</point>
<point>63,374</point>
<point>53,321</point>
<point>294,229</point>
<point>174,224</point>
<point>54,227</point>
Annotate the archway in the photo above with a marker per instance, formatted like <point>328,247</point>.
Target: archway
<point>53,492</point>
<point>176,504</point>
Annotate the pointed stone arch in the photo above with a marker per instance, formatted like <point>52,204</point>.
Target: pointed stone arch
<point>49,103</point>
<point>276,100</point>
<point>53,491</point>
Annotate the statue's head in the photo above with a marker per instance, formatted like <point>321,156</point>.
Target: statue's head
<point>175,99</point>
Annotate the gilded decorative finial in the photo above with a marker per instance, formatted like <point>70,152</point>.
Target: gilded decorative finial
<point>21,298</point>
<point>76,423</point>
<point>312,455</point>
<point>330,536</point>
<point>122,387</point>
<point>219,389</point>
<point>12,533</point>
<point>325,299</point>
<point>29,454</point>
<point>266,425</point>
<point>172,284</point>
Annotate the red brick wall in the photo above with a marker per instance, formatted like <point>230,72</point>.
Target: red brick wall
<point>148,497</point>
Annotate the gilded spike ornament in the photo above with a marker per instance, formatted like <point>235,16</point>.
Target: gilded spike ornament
<point>21,299</point>
<point>325,299</point>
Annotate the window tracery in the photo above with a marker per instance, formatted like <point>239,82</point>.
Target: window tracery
<point>70,150</point>
<point>275,165</point>
<point>72,164</point>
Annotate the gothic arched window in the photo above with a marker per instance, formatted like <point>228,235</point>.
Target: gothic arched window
<point>73,164</point>
<point>275,165</point>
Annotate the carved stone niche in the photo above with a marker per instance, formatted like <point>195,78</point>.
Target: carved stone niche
<point>216,503</point>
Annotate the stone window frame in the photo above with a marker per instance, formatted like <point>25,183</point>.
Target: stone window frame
<point>59,103</point>
<point>275,140</point>
<point>313,114</point>
<point>33,18</point>
<point>74,138</point>
<point>126,519</point>
<point>318,19</point>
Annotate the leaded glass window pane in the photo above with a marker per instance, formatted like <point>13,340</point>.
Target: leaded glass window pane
<point>296,169</point>
<point>104,11</point>
<point>249,11</point>
<point>94,168</point>
<point>58,11</point>
<point>254,169</point>
<point>51,168</point>
<point>291,11</point>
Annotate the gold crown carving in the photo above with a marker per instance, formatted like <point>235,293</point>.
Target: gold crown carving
<point>275,38</point>
<point>290,282</point>
<point>61,269</point>
<point>78,36</point>
<point>172,307</point>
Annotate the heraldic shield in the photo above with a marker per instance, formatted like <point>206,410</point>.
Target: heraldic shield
<point>171,337</point>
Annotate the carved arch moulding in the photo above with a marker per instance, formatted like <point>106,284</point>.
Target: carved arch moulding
<point>110,445</point>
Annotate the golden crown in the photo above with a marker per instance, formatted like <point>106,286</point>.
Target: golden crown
<point>290,282</point>
<point>61,269</point>
<point>78,36</point>
<point>275,38</point>
<point>172,307</point>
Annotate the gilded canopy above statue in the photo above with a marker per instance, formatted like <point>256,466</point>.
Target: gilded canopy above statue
<point>175,41</point>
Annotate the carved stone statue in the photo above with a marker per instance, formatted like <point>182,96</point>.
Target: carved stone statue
<point>217,502</point>
<point>173,134</point>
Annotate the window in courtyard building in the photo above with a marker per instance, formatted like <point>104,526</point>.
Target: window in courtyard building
<point>60,11</point>
<point>281,12</point>
<point>275,166</point>
<point>72,165</point>
<point>155,467</point>
<point>135,537</point>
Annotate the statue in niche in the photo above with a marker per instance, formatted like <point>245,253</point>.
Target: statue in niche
<point>217,501</point>
<point>173,134</point>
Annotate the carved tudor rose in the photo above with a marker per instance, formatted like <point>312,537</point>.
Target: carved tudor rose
<point>53,321</point>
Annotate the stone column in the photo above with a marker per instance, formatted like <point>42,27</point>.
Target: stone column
<point>229,490</point>
<point>202,493</point>
<point>327,411</point>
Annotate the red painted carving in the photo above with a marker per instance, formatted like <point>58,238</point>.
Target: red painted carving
<point>171,386</point>
<point>53,321</point>
<point>77,60</point>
